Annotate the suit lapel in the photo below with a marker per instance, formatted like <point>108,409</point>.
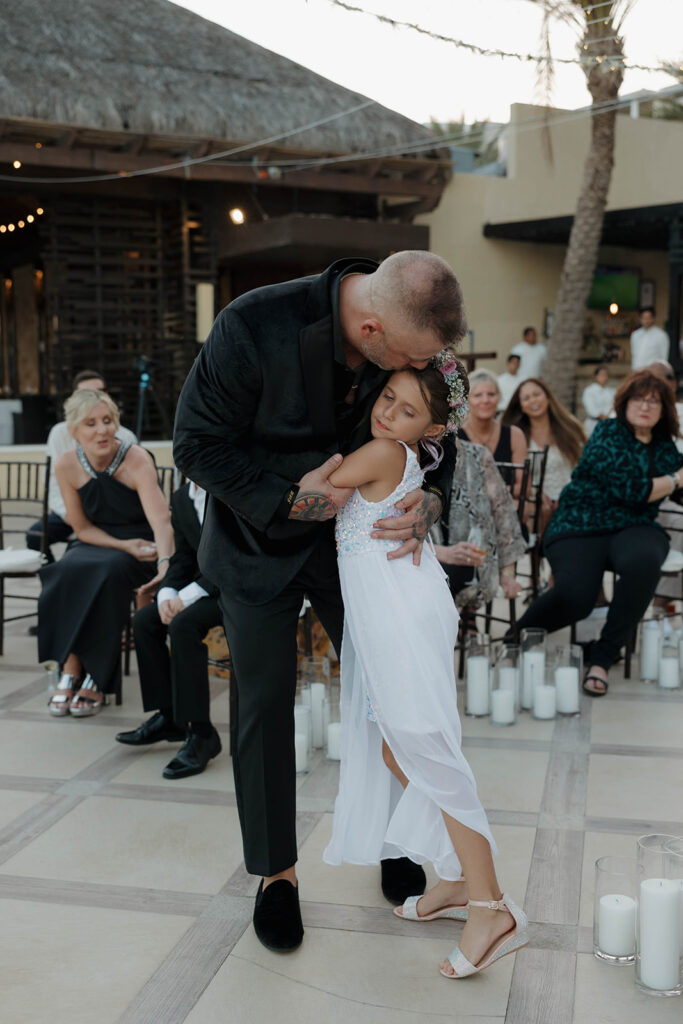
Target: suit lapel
<point>315,349</point>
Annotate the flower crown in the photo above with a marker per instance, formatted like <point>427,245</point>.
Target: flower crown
<point>446,363</point>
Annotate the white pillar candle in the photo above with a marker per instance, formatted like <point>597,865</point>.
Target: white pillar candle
<point>668,673</point>
<point>478,685</point>
<point>649,654</point>
<point>567,686</point>
<point>334,741</point>
<point>659,932</point>
<point>508,679</point>
<point>617,925</point>
<point>317,698</point>
<point>302,720</point>
<point>502,707</point>
<point>544,702</point>
<point>301,751</point>
<point>533,675</point>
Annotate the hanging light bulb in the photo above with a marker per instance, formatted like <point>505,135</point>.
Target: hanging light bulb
<point>39,210</point>
<point>10,227</point>
<point>236,215</point>
<point>3,228</point>
<point>30,218</point>
<point>16,164</point>
<point>614,308</point>
<point>20,224</point>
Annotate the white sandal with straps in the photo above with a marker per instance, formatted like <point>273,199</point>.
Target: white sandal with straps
<point>507,943</point>
<point>408,912</point>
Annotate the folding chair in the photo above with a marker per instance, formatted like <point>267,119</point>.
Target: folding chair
<point>23,498</point>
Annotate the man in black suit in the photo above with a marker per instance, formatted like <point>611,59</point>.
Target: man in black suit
<point>281,390</point>
<point>176,685</point>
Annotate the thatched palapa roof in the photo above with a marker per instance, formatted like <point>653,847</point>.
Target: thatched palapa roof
<point>151,67</point>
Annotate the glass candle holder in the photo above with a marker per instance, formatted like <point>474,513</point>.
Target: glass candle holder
<point>52,669</point>
<point>477,675</point>
<point>316,672</point>
<point>650,640</point>
<point>332,723</point>
<point>673,869</point>
<point>506,685</point>
<point>614,909</point>
<point>544,706</point>
<point>658,932</point>
<point>669,677</point>
<point>568,669</point>
<point>303,748</point>
<point>533,642</point>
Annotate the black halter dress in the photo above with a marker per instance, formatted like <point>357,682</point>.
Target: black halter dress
<point>86,595</point>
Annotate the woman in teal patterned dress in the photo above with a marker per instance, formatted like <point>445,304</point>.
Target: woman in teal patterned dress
<point>606,519</point>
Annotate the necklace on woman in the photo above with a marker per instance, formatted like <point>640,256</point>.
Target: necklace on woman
<point>479,437</point>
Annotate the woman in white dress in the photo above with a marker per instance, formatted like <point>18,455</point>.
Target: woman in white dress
<point>399,704</point>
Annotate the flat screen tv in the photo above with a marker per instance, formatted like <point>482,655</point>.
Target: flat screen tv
<point>612,284</point>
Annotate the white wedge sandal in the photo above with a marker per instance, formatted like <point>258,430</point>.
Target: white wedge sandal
<point>507,943</point>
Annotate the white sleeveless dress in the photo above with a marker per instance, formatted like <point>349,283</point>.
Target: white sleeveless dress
<point>398,683</point>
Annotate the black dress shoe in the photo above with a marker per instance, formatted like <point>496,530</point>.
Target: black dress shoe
<point>402,878</point>
<point>153,730</point>
<point>277,916</point>
<point>193,756</point>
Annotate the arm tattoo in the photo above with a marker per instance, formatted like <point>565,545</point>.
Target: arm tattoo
<point>312,505</point>
<point>427,513</point>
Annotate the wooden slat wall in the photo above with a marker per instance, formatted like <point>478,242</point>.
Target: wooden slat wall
<point>119,283</point>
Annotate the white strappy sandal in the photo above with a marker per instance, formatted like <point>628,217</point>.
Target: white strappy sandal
<point>408,912</point>
<point>507,943</point>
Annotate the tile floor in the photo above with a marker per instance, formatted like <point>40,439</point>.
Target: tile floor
<point>124,899</point>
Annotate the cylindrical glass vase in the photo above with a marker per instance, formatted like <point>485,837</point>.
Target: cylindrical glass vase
<point>533,642</point>
<point>568,663</point>
<point>478,675</point>
<point>673,869</point>
<point>332,723</point>
<point>669,677</point>
<point>505,686</point>
<point>316,672</point>
<point>658,933</point>
<point>614,909</point>
<point>650,641</point>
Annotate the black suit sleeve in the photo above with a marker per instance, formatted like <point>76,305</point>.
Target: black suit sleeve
<point>216,410</point>
<point>182,568</point>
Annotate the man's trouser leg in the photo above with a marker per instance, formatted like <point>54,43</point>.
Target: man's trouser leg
<point>262,642</point>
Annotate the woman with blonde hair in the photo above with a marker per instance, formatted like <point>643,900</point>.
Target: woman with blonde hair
<point>124,540</point>
<point>545,421</point>
<point>505,442</point>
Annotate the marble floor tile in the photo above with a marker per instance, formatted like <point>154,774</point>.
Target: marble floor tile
<point>50,747</point>
<point>147,764</point>
<point>143,843</point>
<point>77,965</point>
<point>14,803</point>
<point>646,724</point>
<point>512,780</point>
<point>642,788</point>
<point>607,995</point>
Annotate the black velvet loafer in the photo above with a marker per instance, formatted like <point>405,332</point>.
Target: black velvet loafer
<point>277,916</point>
<point>154,730</point>
<point>402,878</point>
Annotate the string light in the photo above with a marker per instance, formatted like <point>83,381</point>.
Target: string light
<point>30,219</point>
<point>484,51</point>
<point>16,164</point>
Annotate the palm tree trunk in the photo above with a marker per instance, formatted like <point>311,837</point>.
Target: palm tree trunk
<point>604,81</point>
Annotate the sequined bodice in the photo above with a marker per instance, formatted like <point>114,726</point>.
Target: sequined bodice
<point>355,520</point>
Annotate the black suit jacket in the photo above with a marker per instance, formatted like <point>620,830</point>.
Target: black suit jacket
<point>256,413</point>
<point>184,567</point>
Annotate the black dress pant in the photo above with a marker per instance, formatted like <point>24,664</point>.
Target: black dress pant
<point>179,679</point>
<point>262,641</point>
<point>635,554</point>
<point>57,530</point>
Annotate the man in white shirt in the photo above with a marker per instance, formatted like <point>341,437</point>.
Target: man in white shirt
<point>597,399</point>
<point>59,440</point>
<point>532,353</point>
<point>509,381</point>
<point>175,684</point>
<point>649,343</point>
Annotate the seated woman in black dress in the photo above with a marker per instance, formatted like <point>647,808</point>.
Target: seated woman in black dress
<point>123,525</point>
<point>506,443</point>
<point>606,519</point>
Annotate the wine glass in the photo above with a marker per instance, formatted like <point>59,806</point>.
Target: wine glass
<point>474,537</point>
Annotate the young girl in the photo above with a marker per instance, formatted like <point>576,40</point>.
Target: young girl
<point>399,708</point>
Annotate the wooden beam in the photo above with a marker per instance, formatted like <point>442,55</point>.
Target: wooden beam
<point>84,161</point>
<point>69,139</point>
<point>136,145</point>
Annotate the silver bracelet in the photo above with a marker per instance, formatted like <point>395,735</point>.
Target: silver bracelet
<point>166,558</point>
